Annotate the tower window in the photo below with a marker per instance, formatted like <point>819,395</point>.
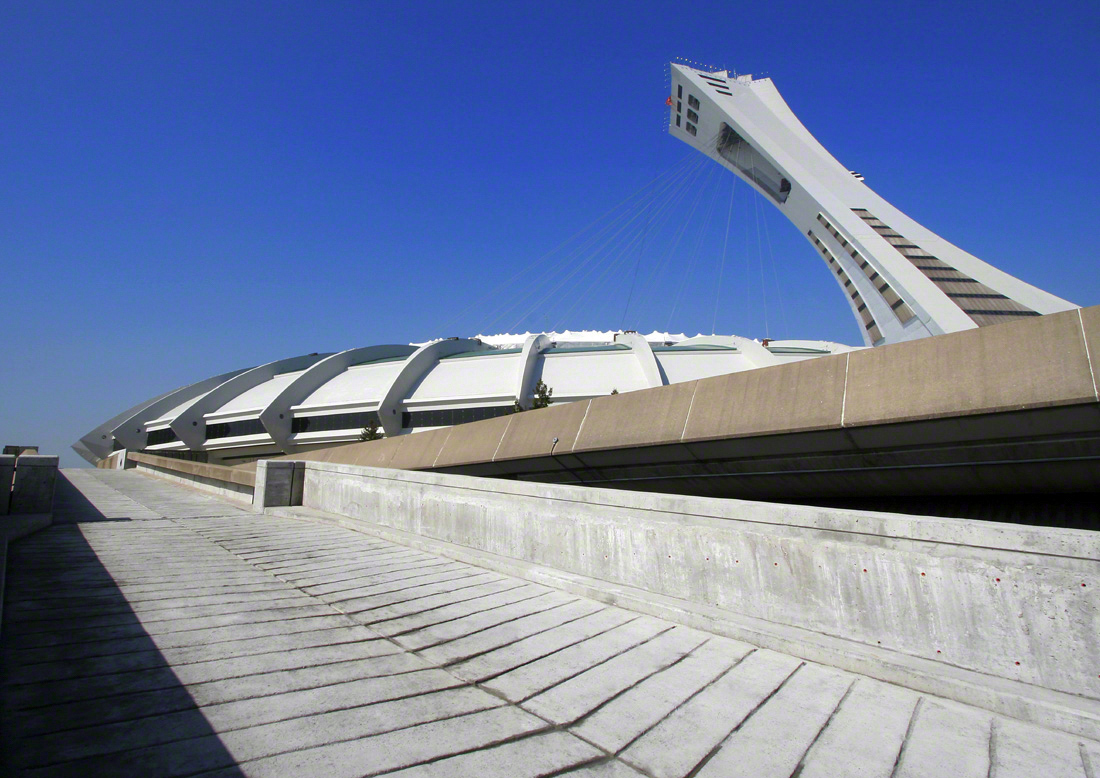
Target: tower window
<point>693,101</point>
<point>677,120</point>
<point>692,116</point>
<point>691,128</point>
<point>679,90</point>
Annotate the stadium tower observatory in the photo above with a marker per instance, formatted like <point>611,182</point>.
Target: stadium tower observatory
<point>902,280</point>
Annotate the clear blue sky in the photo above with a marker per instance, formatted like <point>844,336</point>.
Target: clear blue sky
<point>187,188</point>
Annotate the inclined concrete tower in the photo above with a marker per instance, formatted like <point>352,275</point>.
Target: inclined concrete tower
<point>902,280</point>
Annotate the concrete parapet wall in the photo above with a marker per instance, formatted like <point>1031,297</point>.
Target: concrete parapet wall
<point>232,483</point>
<point>917,390</point>
<point>951,606</point>
<point>33,487</point>
<point>7,476</point>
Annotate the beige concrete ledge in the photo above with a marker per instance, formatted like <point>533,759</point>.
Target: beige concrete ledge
<point>646,417</point>
<point>222,473</point>
<point>537,432</point>
<point>1031,364</point>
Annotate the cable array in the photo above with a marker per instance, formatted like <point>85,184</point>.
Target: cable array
<point>656,253</point>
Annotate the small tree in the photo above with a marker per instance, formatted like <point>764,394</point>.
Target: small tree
<point>371,432</point>
<point>543,393</point>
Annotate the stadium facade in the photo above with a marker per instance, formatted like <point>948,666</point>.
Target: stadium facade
<point>901,280</point>
<point>323,399</point>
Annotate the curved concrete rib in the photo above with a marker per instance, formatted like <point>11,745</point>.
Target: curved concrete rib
<point>753,352</point>
<point>130,432</point>
<point>98,443</point>
<point>276,416</point>
<point>190,426</point>
<point>418,363</point>
<point>643,352</point>
<point>532,347</point>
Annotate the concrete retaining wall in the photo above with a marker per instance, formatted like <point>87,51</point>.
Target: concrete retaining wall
<point>227,482</point>
<point>1035,363</point>
<point>34,480</point>
<point>997,615</point>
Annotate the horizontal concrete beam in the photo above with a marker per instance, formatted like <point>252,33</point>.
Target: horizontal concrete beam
<point>232,483</point>
<point>994,615</point>
<point>836,422</point>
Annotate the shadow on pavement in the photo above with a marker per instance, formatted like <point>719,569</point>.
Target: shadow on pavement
<point>85,690</point>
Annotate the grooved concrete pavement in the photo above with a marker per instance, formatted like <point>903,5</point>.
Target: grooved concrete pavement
<point>155,630</point>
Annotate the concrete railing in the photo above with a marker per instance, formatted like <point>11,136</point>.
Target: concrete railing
<point>1001,616</point>
<point>27,484</point>
<point>1036,364</point>
<point>229,482</point>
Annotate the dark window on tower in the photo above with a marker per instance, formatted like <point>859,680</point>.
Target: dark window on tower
<point>677,120</point>
<point>679,106</point>
<point>692,116</point>
<point>693,101</point>
<point>679,90</point>
<point>691,128</point>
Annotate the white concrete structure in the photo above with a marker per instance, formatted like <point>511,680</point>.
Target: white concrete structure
<point>320,399</point>
<point>902,280</point>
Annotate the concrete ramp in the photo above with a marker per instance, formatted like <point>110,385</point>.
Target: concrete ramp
<point>197,638</point>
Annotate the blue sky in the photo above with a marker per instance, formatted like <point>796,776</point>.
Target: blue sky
<point>193,187</point>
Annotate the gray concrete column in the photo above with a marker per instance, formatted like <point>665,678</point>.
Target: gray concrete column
<point>35,477</point>
<point>278,483</point>
<point>7,473</point>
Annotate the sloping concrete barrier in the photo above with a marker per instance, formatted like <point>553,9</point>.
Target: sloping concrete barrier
<point>1012,408</point>
<point>229,482</point>
<point>1001,616</point>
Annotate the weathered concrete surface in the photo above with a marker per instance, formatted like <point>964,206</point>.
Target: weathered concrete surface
<point>536,435</point>
<point>989,614</point>
<point>1023,364</point>
<point>803,396</point>
<point>637,418</point>
<point>35,477</point>
<point>196,637</point>
<point>1090,323</point>
<point>481,446</point>
<point>199,469</point>
<point>236,484</point>
<point>277,483</point>
<point>424,447</point>
<point>1005,409</point>
<point>7,474</point>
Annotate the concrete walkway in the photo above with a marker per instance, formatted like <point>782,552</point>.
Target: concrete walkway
<point>157,631</point>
